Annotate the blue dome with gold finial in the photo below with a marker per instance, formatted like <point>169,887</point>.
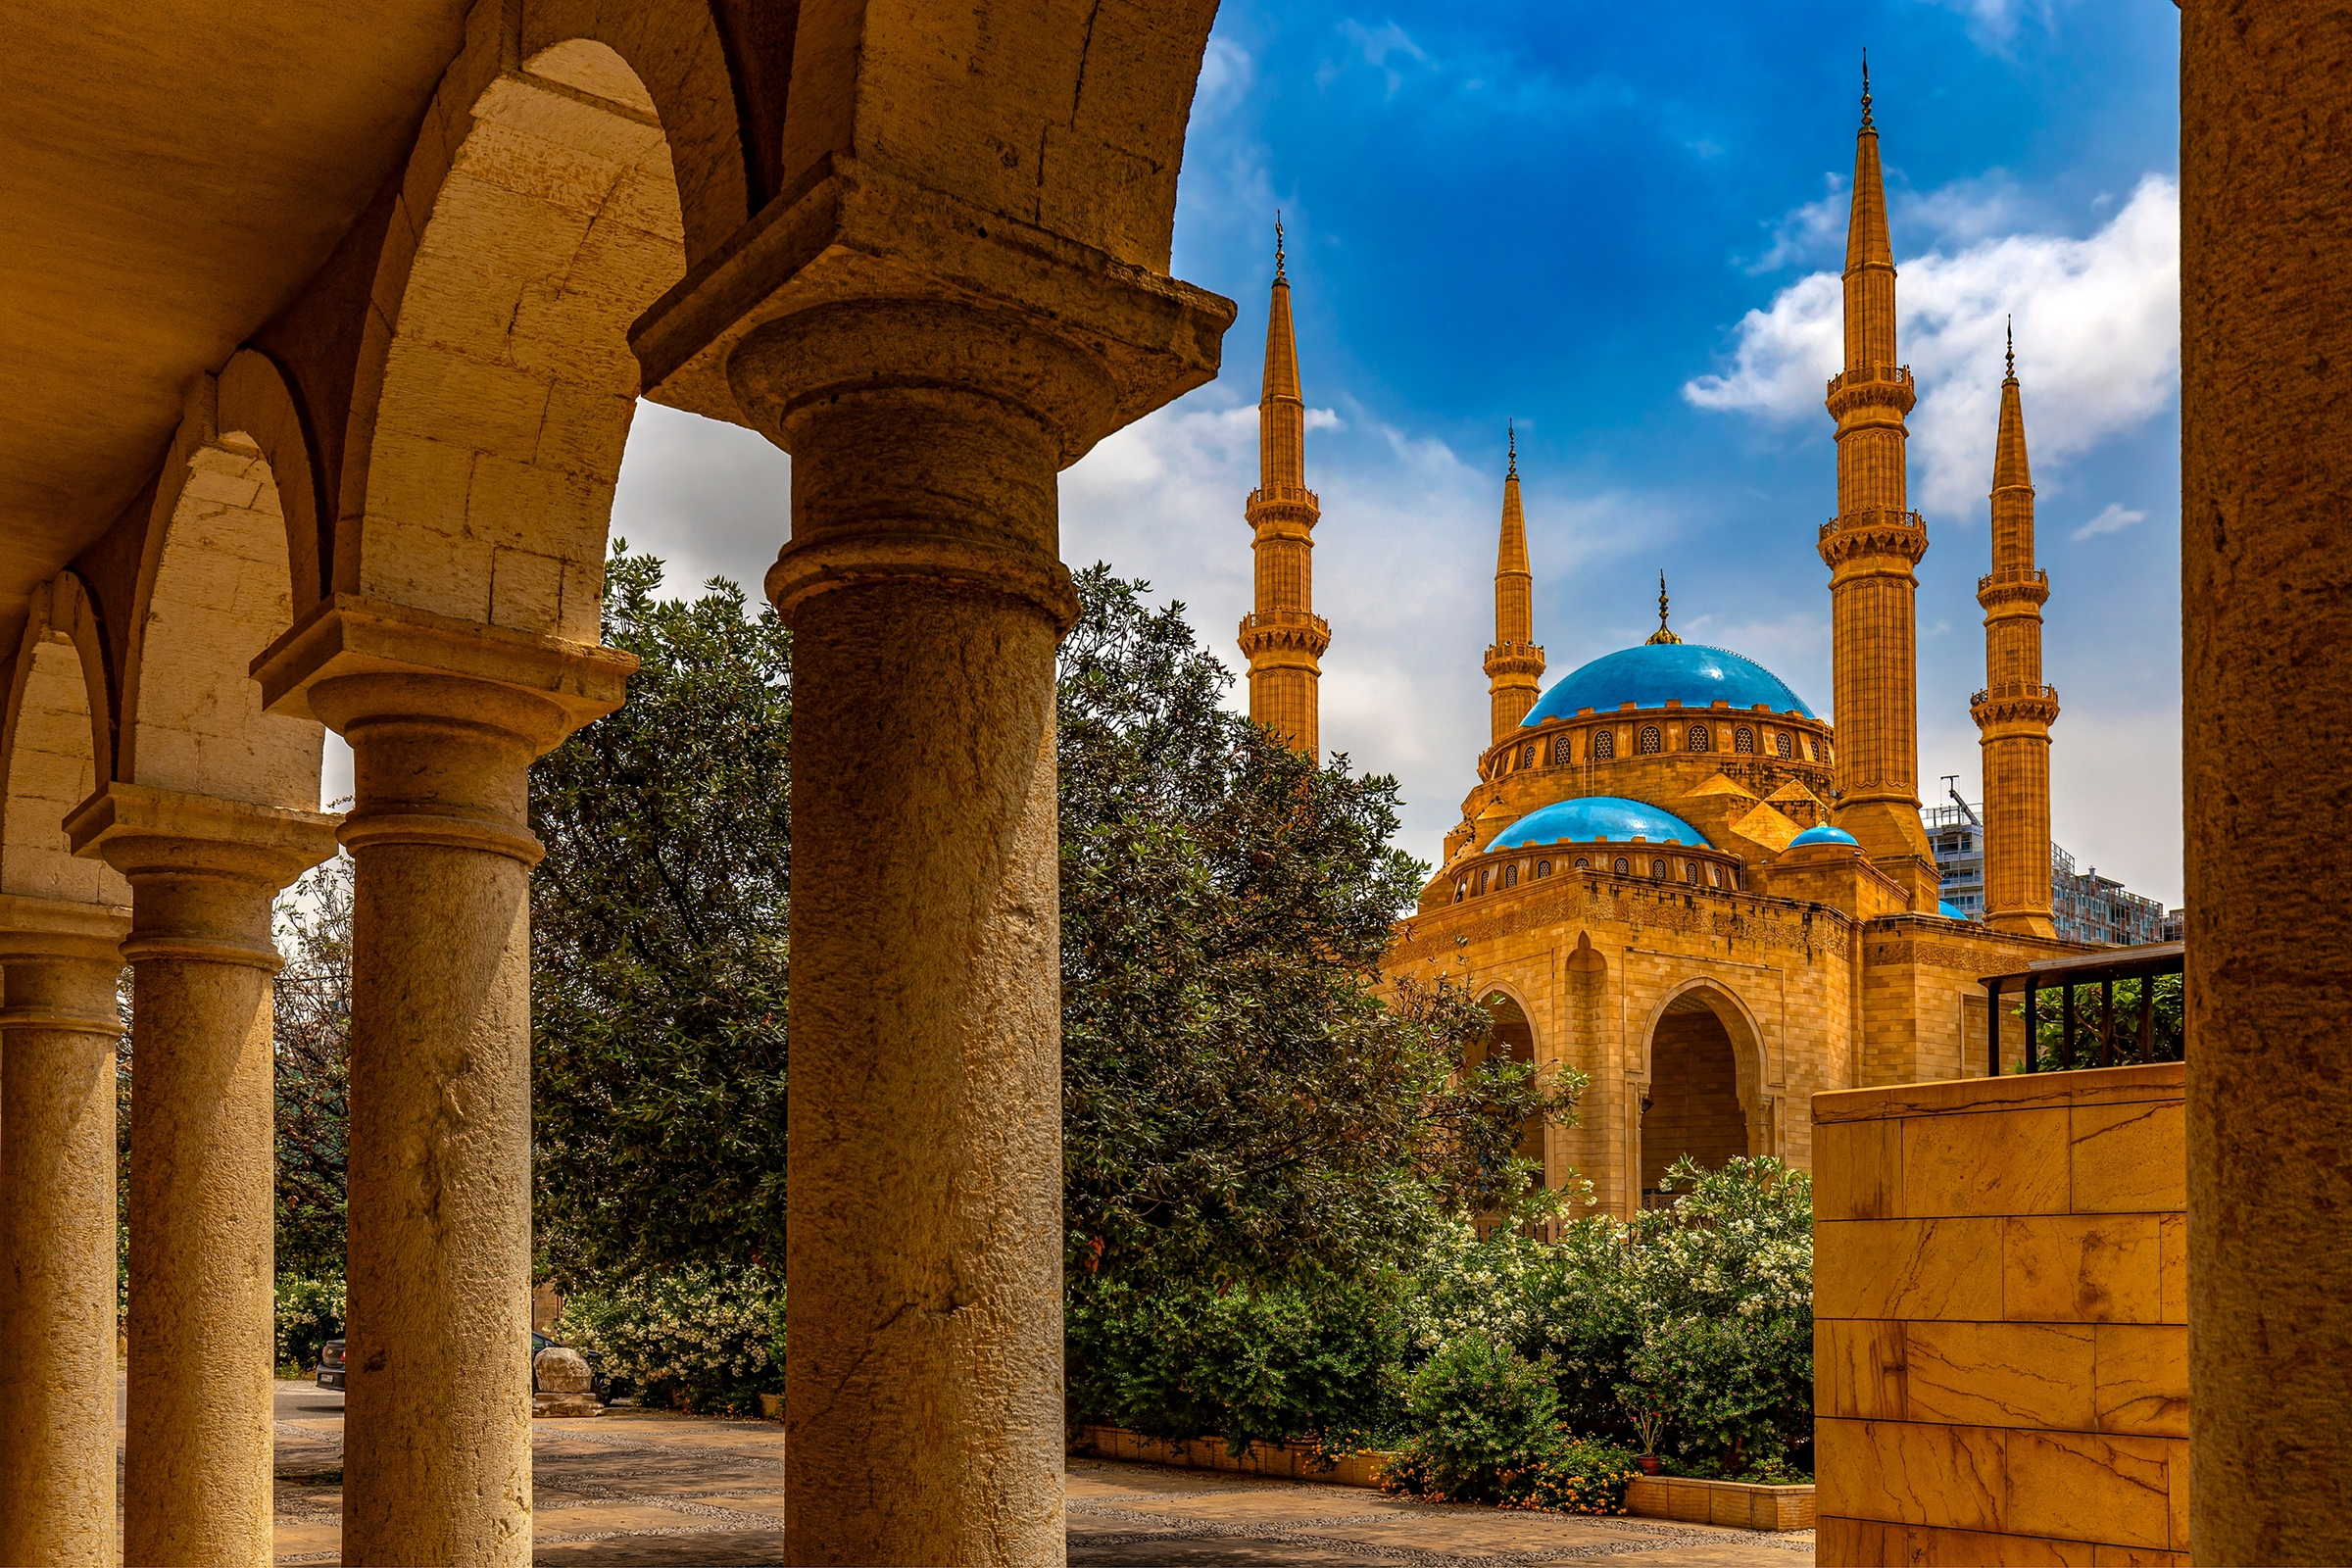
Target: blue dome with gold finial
<point>1655,673</point>
<point>1593,818</point>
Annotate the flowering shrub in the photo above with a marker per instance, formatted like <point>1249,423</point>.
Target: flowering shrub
<point>708,1340</point>
<point>1294,1362</point>
<point>1485,1432</point>
<point>310,1313</point>
<point>1702,1311</point>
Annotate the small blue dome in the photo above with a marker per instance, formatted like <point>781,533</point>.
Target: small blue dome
<point>1592,818</point>
<point>1950,911</point>
<point>1654,673</point>
<point>1824,834</point>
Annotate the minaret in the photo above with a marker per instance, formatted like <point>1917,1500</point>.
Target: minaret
<point>1283,638</point>
<point>1514,661</point>
<point>1871,547</point>
<point>2015,710</point>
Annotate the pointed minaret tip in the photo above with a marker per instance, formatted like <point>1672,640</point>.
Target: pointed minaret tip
<point>1280,275</point>
<point>1866,85</point>
<point>1511,432</point>
<point>1664,633</point>
<point>2009,336</point>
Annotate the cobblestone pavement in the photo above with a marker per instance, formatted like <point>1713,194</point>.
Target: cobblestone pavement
<point>643,1490</point>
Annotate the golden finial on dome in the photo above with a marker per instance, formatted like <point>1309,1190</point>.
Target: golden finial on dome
<point>1664,633</point>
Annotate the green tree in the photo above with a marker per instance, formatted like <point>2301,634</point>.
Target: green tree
<point>657,944</point>
<point>1240,1100</point>
<point>311,1042</point>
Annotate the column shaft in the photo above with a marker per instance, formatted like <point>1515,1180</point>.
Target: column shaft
<point>58,1034</point>
<point>2266,311</point>
<point>924,1259</point>
<point>437,1413</point>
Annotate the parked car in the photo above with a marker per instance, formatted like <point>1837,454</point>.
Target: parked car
<point>330,1366</point>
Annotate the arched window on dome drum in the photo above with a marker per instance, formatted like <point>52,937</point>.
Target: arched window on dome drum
<point>1697,739</point>
<point>1583,864</point>
<point>1691,872</point>
<point>1510,876</point>
<point>1543,868</point>
<point>1527,755</point>
<point>1651,741</point>
<point>1562,751</point>
<point>1657,869</point>
<point>1781,744</point>
<point>1813,746</point>
<point>1743,741</point>
<point>1461,890</point>
<point>1622,867</point>
<point>1604,745</point>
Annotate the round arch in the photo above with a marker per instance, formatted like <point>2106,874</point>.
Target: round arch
<point>56,749</point>
<point>1515,1037</point>
<point>496,387</point>
<point>1703,1071</point>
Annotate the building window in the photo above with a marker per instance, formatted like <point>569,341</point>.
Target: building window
<point>1697,739</point>
<point>1510,875</point>
<point>1657,869</point>
<point>1583,864</point>
<point>1650,740</point>
<point>1781,744</point>
<point>1813,748</point>
<point>1622,867</point>
<point>1560,750</point>
<point>1743,741</point>
<point>1461,890</point>
<point>1691,872</point>
<point>1527,755</point>
<point>1715,876</point>
<point>1543,868</point>
<point>1604,746</point>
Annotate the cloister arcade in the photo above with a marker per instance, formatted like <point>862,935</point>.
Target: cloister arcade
<point>322,330</point>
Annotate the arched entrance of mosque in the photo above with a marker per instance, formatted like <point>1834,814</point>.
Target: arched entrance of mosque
<point>1703,1097</point>
<point>1514,1038</point>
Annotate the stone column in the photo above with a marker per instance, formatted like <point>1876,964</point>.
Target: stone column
<point>204,876</point>
<point>2266,437</point>
<point>59,1026</point>
<point>443,719</point>
<point>926,598</point>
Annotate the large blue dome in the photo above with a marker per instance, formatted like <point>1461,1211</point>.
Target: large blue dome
<point>1654,673</point>
<point>1592,818</point>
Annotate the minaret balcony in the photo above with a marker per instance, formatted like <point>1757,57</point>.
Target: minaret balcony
<point>1296,631</point>
<point>2014,702</point>
<point>1874,531</point>
<point>1865,385</point>
<point>1286,495</point>
<point>2014,585</point>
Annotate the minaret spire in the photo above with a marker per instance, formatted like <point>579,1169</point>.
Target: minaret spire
<point>2015,710</point>
<point>1872,548</point>
<point>1283,638</point>
<point>1514,663</point>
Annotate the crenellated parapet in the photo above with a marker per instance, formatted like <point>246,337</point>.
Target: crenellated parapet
<point>1874,531</point>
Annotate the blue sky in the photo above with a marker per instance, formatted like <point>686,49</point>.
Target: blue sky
<point>1625,237</point>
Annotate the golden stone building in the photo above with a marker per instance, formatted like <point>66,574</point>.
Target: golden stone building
<point>1675,876</point>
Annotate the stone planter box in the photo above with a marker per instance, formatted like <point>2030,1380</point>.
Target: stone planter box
<point>1736,1504</point>
<point>1705,1502</point>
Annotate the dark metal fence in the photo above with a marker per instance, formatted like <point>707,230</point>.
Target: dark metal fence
<point>2099,1041</point>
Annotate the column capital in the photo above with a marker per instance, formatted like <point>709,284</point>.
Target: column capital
<point>203,871</point>
<point>857,233</point>
<point>537,688</point>
<point>62,957</point>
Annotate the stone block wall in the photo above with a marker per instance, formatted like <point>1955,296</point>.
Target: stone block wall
<point>2001,1333</point>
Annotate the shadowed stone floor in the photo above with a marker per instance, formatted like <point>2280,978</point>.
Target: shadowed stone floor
<point>661,1490</point>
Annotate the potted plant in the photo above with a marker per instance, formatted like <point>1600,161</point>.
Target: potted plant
<point>1647,1424</point>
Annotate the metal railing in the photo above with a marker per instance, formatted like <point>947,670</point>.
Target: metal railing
<point>2068,975</point>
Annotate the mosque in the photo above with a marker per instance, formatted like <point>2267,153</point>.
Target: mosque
<point>1672,874</point>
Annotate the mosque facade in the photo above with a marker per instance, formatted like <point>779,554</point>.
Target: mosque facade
<point>1672,874</point>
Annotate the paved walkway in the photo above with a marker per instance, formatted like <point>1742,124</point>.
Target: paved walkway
<point>640,1490</point>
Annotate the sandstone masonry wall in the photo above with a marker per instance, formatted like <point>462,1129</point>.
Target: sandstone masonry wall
<point>2000,1330</point>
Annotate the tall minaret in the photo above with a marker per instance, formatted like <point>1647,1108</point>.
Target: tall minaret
<point>1514,661</point>
<point>1870,548</point>
<point>2015,710</point>
<point>1283,638</point>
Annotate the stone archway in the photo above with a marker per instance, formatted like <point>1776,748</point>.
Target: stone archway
<point>1704,1094</point>
<point>1514,1039</point>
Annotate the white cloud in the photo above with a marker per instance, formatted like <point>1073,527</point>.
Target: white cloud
<point>1995,23</point>
<point>2097,327</point>
<point>1808,232</point>
<point>2115,519</point>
